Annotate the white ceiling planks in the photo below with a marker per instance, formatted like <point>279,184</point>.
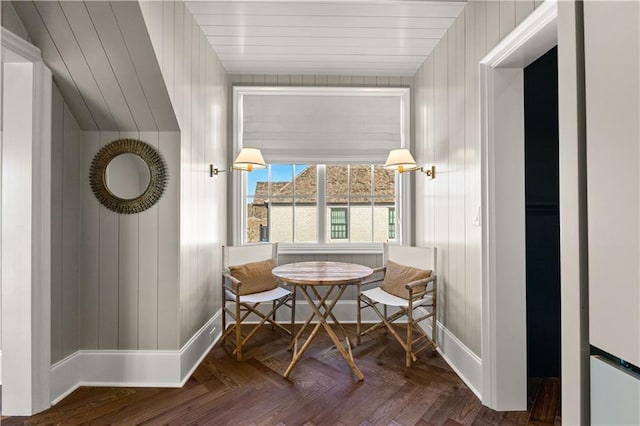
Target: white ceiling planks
<point>102,60</point>
<point>353,37</point>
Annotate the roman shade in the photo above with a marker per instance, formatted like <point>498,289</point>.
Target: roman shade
<point>323,125</point>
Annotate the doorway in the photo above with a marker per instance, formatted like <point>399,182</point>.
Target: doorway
<point>542,210</point>
<point>542,215</point>
<point>504,292</point>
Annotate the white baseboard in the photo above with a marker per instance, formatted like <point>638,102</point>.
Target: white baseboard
<point>173,368</point>
<point>466,364</point>
<point>133,368</point>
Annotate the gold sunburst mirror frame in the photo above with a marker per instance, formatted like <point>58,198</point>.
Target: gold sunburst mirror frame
<point>158,176</point>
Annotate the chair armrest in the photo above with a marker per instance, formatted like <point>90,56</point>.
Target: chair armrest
<point>235,283</point>
<point>422,282</point>
<point>381,269</point>
<point>421,287</point>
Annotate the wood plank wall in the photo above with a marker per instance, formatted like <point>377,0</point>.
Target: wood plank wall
<point>447,134</point>
<point>66,149</point>
<point>198,89</point>
<point>129,292</point>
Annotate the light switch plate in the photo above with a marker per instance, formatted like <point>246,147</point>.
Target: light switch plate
<point>476,216</point>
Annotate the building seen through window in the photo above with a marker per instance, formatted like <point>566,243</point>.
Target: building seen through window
<point>283,206</point>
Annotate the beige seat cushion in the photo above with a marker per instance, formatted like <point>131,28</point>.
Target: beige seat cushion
<point>398,276</point>
<point>255,277</point>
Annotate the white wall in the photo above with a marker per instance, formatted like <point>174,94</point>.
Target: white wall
<point>198,87</point>
<point>447,130</point>
<point>66,155</point>
<point>129,263</point>
<point>612,84</point>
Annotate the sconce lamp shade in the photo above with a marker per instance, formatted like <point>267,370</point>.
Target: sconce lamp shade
<point>400,160</point>
<point>249,159</point>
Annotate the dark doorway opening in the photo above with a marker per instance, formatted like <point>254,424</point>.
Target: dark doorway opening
<point>542,217</point>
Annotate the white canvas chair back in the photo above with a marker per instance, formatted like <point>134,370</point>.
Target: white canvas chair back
<point>239,307</point>
<point>239,255</point>
<point>415,257</point>
<point>417,308</point>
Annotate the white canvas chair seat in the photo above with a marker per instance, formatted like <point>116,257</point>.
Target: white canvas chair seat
<point>241,307</point>
<point>419,306</point>
<point>262,297</point>
<point>378,295</point>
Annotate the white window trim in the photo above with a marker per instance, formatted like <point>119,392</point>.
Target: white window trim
<point>403,181</point>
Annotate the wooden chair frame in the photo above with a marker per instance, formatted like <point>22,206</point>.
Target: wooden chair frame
<point>245,305</point>
<point>422,294</point>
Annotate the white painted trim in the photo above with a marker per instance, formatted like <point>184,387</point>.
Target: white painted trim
<point>466,364</point>
<point>19,46</point>
<point>173,368</point>
<point>26,307</point>
<point>503,234</point>
<point>133,368</point>
<point>0,367</point>
<point>337,248</point>
<point>237,186</point>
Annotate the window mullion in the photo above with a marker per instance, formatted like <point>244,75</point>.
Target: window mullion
<point>372,204</point>
<point>349,202</point>
<point>321,200</point>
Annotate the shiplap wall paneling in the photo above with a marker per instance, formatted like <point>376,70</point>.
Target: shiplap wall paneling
<point>71,206</point>
<point>98,62</point>
<point>523,9</point>
<point>40,37</point>
<point>65,229</point>
<point>103,62</point>
<point>129,262</point>
<point>109,268</point>
<point>128,273</point>
<point>66,43</point>
<point>319,80</point>
<point>90,301</point>
<point>145,64</point>
<point>507,17</point>
<point>168,248</point>
<point>57,140</point>
<point>472,230</point>
<point>447,114</point>
<point>197,86</point>
<point>11,21</point>
<point>112,39</point>
<point>148,267</point>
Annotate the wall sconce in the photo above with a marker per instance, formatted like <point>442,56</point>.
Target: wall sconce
<point>402,161</point>
<point>247,160</point>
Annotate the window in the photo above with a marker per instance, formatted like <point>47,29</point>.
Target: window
<point>338,134</point>
<point>339,225</point>
<point>392,223</point>
<point>293,203</point>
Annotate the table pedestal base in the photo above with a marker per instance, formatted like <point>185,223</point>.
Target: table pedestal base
<point>322,311</point>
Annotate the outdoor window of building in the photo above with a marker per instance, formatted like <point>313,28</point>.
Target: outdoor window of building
<point>392,223</point>
<point>339,225</point>
<point>283,205</point>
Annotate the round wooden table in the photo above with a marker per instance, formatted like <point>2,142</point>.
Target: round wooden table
<point>308,276</point>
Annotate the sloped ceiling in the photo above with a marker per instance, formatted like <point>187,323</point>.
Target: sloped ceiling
<point>102,61</point>
<point>334,37</point>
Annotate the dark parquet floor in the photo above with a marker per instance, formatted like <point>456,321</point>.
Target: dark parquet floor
<point>322,391</point>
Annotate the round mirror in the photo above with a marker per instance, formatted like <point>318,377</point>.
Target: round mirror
<point>127,176</point>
